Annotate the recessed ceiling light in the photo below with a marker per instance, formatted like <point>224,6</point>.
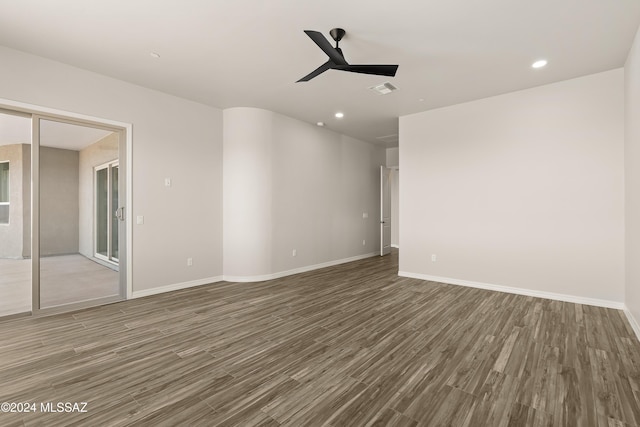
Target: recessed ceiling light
<point>339,115</point>
<point>421,99</point>
<point>539,64</point>
<point>320,124</point>
<point>154,54</point>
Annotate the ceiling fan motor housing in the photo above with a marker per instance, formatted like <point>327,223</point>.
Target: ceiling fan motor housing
<point>337,34</point>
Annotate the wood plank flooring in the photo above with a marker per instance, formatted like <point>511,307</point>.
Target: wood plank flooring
<point>351,345</point>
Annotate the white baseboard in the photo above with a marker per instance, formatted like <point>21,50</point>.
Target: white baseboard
<point>633,322</point>
<point>395,246</point>
<point>175,287</point>
<point>304,269</point>
<point>262,278</point>
<point>519,291</point>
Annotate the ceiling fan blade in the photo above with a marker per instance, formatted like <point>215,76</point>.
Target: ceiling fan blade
<point>379,70</point>
<point>321,69</point>
<point>326,47</point>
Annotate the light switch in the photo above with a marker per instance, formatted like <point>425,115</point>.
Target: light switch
<point>140,219</point>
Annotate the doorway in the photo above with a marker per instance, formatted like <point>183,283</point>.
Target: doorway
<point>385,211</point>
<point>61,254</point>
<point>389,209</point>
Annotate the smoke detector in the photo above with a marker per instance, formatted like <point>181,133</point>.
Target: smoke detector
<point>384,88</point>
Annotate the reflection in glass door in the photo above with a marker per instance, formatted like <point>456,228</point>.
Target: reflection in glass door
<point>106,211</point>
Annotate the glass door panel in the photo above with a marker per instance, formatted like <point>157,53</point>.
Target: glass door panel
<point>74,207</point>
<point>15,214</point>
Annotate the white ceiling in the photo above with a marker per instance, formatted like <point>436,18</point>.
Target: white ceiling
<point>250,53</point>
<point>17,130</point>
<point>14,129</point>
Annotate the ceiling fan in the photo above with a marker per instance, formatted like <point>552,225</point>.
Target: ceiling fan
<point>336,58</point>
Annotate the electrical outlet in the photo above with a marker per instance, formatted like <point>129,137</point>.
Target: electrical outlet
<point>167,182</point>
<point>433,257</point>
<point>294,252</point>
<point>189,262</point>
<point>365,215</point>
<point>140,220</point>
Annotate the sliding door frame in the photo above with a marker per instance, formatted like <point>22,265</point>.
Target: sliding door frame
<point>124,131</point>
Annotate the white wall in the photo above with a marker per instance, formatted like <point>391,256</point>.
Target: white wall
<point>393,157</point>
<point>322,184</point>
<point>291,185</point>
<point>632,180</point>
<point>247,192</point>
<point>393,161</point>
<point>172,137</point>
<point>522,190</point>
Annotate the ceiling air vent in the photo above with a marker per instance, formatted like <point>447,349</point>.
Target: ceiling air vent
<point>384,88</point>
<point>388,139</point>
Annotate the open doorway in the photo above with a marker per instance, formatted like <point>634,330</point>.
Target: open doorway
<point>389,209</point>
<point>62,227</point>
<point>385,211</point>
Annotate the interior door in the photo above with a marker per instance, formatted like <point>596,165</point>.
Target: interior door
<point>385,211</point>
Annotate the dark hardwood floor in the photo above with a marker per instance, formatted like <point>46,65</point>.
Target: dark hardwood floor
<point>344,346</point>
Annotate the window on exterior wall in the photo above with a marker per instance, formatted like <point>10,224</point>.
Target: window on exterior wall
<point>4,193</point>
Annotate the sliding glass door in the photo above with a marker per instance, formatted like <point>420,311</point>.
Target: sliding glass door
<point>107,212</point>
<point>79,234</point>
<point>62,225</point>
<point>15,213</point>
